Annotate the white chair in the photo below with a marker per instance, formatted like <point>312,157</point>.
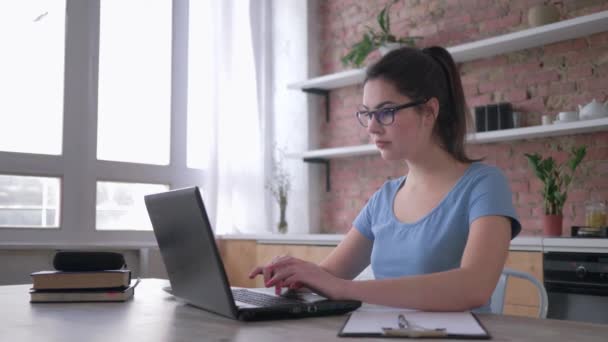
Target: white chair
<point>366,274</point>
<point>498,297</point>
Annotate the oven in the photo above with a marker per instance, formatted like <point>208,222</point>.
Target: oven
<point>577,286</point>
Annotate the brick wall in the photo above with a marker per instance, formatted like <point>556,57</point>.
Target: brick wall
<point>537,81</point>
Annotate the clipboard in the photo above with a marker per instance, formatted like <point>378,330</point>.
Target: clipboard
<point>448,325</point>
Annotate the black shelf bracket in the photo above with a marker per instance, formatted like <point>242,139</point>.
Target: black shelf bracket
<point>324,162</point>
<point>320,92</point>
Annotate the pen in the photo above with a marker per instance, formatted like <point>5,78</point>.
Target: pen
<point>412,330</point>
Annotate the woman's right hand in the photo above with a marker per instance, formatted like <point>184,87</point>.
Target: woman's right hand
<point>293,273</point>
<point>268,271</point>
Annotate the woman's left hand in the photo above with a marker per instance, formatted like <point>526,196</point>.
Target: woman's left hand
<point>293,273</point>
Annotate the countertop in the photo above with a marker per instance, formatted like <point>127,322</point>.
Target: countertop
<point>521,243</point>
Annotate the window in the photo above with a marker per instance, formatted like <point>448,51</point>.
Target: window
<point>32,34</point>
<point>29,201</point>
<point>81,145</point>
<point>200,93</point>
<point>134,81</point>
<point>121,205</point>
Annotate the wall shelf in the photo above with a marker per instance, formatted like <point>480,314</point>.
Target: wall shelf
<point>538,36</point>
<point>532,132</point>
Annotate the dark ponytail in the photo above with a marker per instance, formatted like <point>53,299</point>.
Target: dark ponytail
<point>427,73</point>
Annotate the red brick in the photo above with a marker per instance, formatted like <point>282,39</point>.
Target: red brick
<point>469,79</point>
<point>538,211</point>
<point>523,212</point>
<point>486,14</point>
<point>578,195</point>
<point>457,21</point>
<point>529,199</point>
<point>558,88</point>
<point>423,31</point>
<point>520,186</point>
<point>592,84</point>
<point>528,67</point>
<point>540,77</point>
<point>516,95</point>
<point>578,72</point>
<point>539,90</point>
<point>601,167</point>
<point>601,70</point>
<point>479,100</point>
<point>489,62</point>
<point>569,45</point>
<point>598,39</point>
<point>601,185</point>
<point>531,226</point>
<point>502,23</point>
<point>597,153</point>
<point>470,90</point>
<point>532,105</point>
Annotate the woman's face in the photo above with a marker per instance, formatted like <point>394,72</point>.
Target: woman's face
<point>409,134</point>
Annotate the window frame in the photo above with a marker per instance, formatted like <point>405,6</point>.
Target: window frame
<point>77,166</point>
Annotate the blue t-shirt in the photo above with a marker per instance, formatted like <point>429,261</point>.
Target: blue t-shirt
<point>436,242</point>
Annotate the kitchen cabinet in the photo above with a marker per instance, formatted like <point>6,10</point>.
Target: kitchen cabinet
<point>521,298</point>
<point>239,257</point>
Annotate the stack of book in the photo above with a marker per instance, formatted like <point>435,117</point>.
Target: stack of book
<point>90,286</point>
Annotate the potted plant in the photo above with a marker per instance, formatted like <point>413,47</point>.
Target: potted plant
<point>279,185</point>
<point>383,40</point>
<point>556,179</point>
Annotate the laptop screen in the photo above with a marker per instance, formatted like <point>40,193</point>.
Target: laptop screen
<point>188,249</point>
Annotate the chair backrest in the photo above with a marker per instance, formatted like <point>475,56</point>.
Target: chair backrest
<point>498,297</point>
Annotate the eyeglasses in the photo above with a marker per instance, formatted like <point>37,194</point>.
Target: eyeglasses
<point>384,116</point>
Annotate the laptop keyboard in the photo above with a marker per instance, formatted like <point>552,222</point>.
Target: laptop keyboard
<point>260,299</point>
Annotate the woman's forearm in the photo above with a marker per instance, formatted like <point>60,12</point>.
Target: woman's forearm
<point>454,290</point>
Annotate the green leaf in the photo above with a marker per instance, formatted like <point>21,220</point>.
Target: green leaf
<point>387,19</point>
<point>359,51</point>
<point>555,178</point>
<point>577,157</point>
<point>535,162</point>
<point>372,39</point>
<point>381,20</point>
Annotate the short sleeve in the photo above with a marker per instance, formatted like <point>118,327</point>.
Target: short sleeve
<point>363,222</point>
<point>491,196</point>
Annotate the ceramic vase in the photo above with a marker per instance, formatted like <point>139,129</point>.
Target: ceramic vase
<point>282,226</point>
<point>552,225</point>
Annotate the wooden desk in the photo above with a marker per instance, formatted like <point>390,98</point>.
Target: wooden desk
<point>156,316</point>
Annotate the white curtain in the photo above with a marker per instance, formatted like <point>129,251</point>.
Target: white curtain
<point>224,85</point>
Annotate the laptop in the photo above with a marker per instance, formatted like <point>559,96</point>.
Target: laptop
<point>196,272</point>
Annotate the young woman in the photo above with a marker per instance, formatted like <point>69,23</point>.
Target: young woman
<point>437,238</point>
